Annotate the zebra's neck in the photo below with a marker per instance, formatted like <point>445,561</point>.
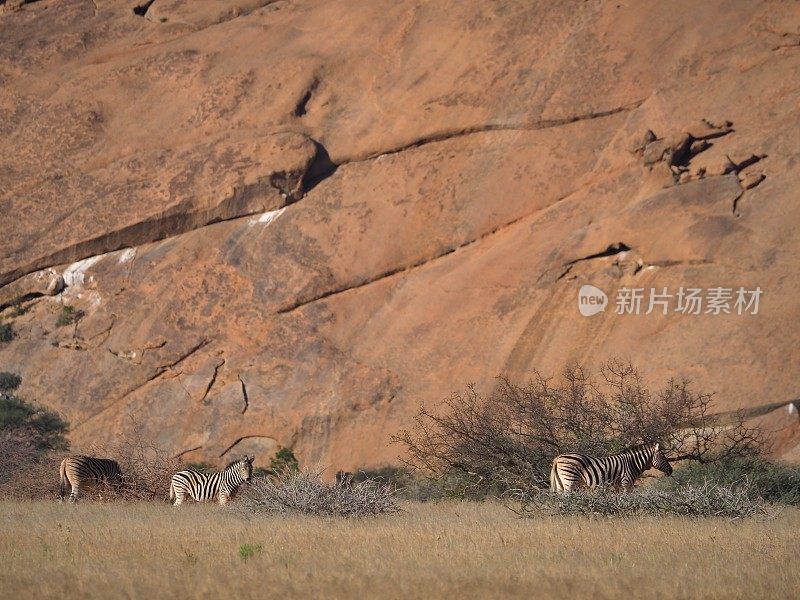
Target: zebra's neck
<point>231,477</point>
<point>639,458</point>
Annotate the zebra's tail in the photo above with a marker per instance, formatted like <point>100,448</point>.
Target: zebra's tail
<point>555,484</point>
<point>63,472</point>
<point>171,492</point>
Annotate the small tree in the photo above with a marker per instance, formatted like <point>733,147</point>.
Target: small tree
<point>508,439</point>
<point>31,439</point>
<point>40,428</point>
<point>68,316</point>
<point>283,463</point>
<point>9,381</point>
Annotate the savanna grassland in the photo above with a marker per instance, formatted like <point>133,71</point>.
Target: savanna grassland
<point>435,550</point>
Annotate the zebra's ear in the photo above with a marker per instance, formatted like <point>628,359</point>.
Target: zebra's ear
<point>250,459</point>
<point>658,447</point>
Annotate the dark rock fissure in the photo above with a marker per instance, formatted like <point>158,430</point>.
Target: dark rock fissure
<point>20,4</point>
<point>238,440</point>
<point>19,300</point>
<point>140,10</point>
<point>323,167</point>
<point>202,343</point>
<point>179,454</point>
<point>302,105</point>
<point>213,380</point>
<point>390,272</point>
<point>488,127</point>
<point>107,330</point>
<point>753,159</point>
<point>347,288</point>
<point>148,230</point>
<point>244,395</point>
<point>320,169</point>
<point>611,250</point>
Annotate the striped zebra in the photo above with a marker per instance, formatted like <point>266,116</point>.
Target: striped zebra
<point>79,471</point>
<point>571,471</point>
<point>202,487</point>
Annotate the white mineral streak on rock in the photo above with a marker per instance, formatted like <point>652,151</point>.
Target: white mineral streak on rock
<point>75,274</point>
<point>267,217</point>
<point>127,255</point>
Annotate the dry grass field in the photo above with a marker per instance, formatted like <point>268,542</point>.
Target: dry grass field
<point>464,550</point>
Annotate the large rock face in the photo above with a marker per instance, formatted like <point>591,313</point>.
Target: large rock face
<point>290,222</point>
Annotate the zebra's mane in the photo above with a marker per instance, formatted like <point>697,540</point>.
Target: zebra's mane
<point>632,449</point>
<point>232,463</point>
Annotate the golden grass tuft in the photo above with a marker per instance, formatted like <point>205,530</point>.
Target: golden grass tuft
<point>466,550</point>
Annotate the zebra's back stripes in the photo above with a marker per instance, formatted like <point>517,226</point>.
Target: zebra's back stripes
<point>571,471</point>
<point>202,487</point>
<point>80,471</point>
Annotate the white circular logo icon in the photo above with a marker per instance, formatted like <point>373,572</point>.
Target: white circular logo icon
<point>591,300</point>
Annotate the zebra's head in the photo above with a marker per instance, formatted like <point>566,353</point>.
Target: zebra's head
<point>660,461</point>
<point>246,468</point>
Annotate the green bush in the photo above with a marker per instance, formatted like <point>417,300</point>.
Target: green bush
<point>249,550</point>
<point>68,316</point>
<point>283,462</point>
<point>9,381</point>
<point>18,308</point>
<point>47,429</point>
<point>773,482</point>
<point>6,332</point>
<point>420,487</point>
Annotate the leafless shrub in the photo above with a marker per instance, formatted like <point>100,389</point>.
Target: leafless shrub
<point>147,468</point>
<point>305,492</point>
<point>508,439</point>
<point>706,499</point>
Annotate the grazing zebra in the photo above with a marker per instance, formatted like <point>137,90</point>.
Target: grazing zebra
<point>572,471</point>
<point>344,478</point>
<point>77,471</point>
<point>202,487</point>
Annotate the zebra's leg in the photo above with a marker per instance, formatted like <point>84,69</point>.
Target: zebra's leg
<point>179,495</point>
<point>73,496</point>
<point>223,498</point>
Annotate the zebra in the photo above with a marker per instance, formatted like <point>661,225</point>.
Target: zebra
<point>571,471</point>
<point>202,487</point>
<point>344,479</point>
<point>77,471</point>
